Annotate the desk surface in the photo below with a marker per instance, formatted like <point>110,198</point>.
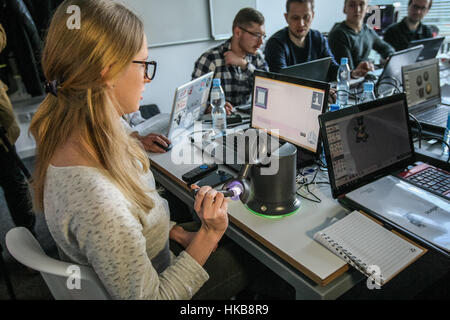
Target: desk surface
<point>291,238</point>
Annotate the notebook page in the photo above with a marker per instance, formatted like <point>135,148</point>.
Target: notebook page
<point>365,240</point>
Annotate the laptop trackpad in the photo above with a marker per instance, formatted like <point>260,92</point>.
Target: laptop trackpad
<point>414,209</point>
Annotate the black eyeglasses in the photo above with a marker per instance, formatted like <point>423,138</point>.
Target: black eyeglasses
<point>150,68</point>
<point>256,35</point>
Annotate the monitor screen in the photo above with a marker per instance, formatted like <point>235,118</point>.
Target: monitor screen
<point>289,107</point>
<point>362,141</point>
<point>421,82</point>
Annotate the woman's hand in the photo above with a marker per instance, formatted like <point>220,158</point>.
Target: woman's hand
<point>150,142</point>
<point>212,209</point>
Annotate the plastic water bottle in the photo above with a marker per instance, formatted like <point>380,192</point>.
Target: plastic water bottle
<point>334,107</point>
<point>368,94</point>
<point>343,78</point>
<point>218,112</point>
<point>445,151</point>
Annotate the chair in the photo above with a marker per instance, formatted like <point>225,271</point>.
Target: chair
<point>149,110</point>
<point>58,275</point>
<point>5,273</point>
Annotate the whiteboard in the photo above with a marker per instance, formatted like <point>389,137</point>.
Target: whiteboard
<point>222,13</point>
<point>170,22</point>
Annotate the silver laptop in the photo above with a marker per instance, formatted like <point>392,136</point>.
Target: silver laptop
<point>421,82</point>
<point>189,104</point>
<point>391,74</point>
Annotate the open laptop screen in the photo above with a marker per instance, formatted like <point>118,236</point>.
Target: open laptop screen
<point>289,107</point>
<point>421,82</point>
<point>365,141</point>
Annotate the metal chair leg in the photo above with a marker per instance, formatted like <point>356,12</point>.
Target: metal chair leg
<point>5,273</point>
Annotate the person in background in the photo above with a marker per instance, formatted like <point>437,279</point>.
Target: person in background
<point>354,40</point>
<point>93,182</point>
<point>235,60</point>
<point>400,34</point>
<point>12,180</point>
<point>298,43</point>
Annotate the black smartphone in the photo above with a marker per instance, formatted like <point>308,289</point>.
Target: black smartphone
<point>214,179</point>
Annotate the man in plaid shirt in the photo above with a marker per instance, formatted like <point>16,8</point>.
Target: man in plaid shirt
<point>235,60</point>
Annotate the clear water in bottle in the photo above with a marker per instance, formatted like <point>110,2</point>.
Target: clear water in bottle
<point>343,85</point>
<point>368,94</point>
<point>218,112</point>
<point>445,150</point>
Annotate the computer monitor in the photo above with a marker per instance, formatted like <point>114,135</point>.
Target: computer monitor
<point>288,108</point>
<point>388,16</point>
<point>421,83</point>
<point>366,141</point>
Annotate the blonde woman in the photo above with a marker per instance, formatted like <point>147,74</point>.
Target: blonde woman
<point>93,181</point>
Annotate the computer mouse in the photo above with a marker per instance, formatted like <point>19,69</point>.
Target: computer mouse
<point>164,147</point>
<point>371,77</point>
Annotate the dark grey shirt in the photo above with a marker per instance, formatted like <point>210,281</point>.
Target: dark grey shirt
<point>345,42</point>
<point>399,36</point>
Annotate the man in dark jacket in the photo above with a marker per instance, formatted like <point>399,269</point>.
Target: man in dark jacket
<point>399,35</point>
<point>297,43</point>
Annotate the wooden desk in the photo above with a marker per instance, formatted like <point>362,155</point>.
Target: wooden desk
<point>284,245</point>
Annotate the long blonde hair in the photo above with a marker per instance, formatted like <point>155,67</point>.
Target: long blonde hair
<point>109,36</point>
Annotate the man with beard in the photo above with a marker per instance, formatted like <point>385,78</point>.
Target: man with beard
<point>235,60</point>
<point>399,35</point>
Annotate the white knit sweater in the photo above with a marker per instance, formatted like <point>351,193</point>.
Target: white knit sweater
<point>94,224</point>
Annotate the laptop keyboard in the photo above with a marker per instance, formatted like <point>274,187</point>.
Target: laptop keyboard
<point>435,116</point>
<point>433,180</point>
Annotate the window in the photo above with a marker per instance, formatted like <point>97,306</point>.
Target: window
<point>439,15</point>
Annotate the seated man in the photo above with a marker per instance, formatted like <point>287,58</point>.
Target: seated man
<point>354,40</point>
<point>235,60</point>
<point>297,43</point>
<point>400,34</point>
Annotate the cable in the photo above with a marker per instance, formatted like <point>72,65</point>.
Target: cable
<point>419,127</point>
<point>388,83</point>
<point>438,139</point>
<point>302,180</point>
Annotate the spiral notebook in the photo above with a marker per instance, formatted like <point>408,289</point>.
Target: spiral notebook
<point>369,247</point>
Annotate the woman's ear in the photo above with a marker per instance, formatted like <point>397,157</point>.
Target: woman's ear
<point>109,82</point>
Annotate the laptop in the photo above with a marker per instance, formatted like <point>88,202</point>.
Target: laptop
<point>371,167</point>
<point>431,47</point>
<point>285,107</point>
<point>390,77</point>
<point>189,104</point>
<point>314,70</point>
<point>421,82</point>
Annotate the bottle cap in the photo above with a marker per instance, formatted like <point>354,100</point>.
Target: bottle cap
<point>216,82</point>
<point>334,107</point>
<point>368,86</point>
<point>344,61</point>
<point>448,120</point>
